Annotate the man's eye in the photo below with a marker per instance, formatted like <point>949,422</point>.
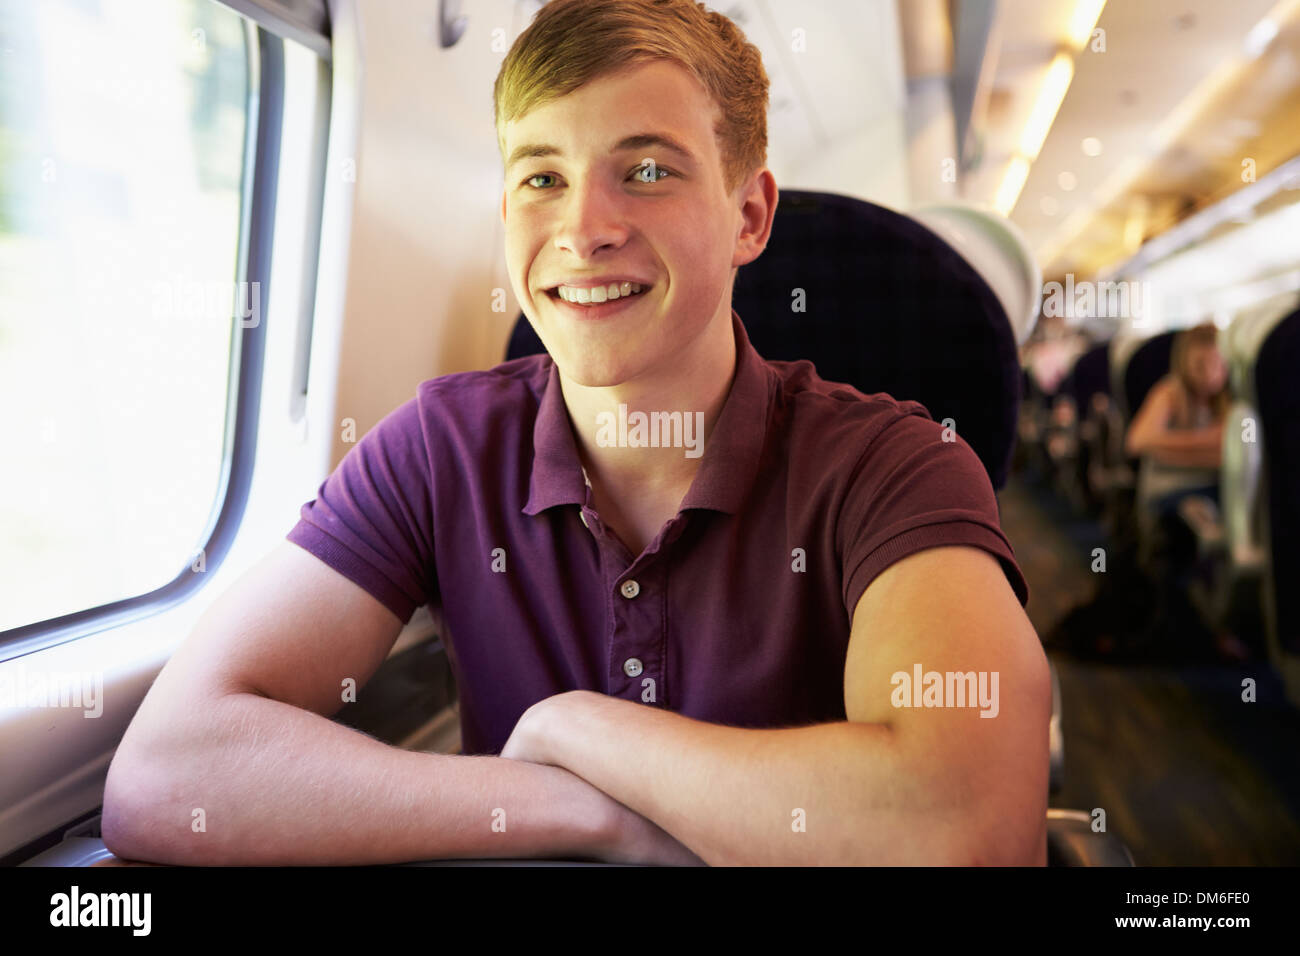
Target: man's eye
<point>537,176</point>
<point>653,168</point>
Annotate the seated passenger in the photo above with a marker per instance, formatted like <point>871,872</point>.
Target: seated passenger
<point>701,606</point>
<point>1178,432</point>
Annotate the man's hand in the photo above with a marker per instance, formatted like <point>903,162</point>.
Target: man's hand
<point>632,838</point>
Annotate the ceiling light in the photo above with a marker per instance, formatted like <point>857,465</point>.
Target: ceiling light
<point>1067,181</point>
<point>1012,182</point>
<point>1050,95</point>
<point>1049,206</point>
<point>1260,36</point>
<point>1047,104</point>
<point>1091,146</point>
<point>1084,18</point>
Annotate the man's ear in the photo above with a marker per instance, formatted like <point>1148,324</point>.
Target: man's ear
<point>758,205</point>
<point>503,207</point>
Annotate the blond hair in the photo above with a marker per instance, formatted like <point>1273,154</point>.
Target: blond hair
<point>571,42</point>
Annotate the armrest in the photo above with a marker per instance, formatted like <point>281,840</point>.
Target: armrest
<point>75,851</point>
<point>1072,842</point>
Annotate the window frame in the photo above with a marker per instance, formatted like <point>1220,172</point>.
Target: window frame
<point>260,179</point>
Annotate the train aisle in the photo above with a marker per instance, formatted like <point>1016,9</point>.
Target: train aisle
<point>1187,773</point>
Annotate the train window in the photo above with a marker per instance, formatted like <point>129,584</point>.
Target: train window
<point>123,129</point>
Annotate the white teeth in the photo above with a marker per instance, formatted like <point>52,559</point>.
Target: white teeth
<point>614,290</point>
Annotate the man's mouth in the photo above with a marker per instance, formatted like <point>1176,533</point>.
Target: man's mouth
<point>596,295</point>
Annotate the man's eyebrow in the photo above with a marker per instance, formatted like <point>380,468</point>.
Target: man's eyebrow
<point>635,141</point>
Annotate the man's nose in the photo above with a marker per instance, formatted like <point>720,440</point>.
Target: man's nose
<point>594,216</point>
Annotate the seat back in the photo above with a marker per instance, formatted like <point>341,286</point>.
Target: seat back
<point>1090,376</point>
<point>1088,386</point>
<point>1239,484</point>
<point>1243,506</point>
<point>1135,368</point>
<point>1071,841</point>
<point>876,300</point>
<point>1277,396</point>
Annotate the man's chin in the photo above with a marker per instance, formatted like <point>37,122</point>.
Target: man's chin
<point>592,374</point>
<point>592,369</point>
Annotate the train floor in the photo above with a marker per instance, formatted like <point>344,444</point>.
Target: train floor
<point>1188,774</point>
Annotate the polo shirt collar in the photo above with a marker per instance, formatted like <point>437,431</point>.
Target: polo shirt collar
<point>727,467</point>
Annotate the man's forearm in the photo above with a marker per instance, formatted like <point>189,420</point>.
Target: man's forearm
<point>841,793</point>
<point>273,784</point>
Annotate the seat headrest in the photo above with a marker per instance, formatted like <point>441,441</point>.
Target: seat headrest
<point>1136,366</point>
<point>1245,336</point>
<point>997,250</point>
<point>1089,376</point>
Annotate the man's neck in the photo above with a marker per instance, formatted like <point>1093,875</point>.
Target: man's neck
<point>605,420</point>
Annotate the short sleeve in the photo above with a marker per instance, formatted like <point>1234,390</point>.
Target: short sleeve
<point>372,518</point>
<point>912,490</point>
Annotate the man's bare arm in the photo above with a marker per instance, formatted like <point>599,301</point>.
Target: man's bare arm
<point>892,786</point>
<point>232,759</point>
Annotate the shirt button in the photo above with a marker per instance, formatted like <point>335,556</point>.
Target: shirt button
<point>632,666</point>
<point>630,590</point>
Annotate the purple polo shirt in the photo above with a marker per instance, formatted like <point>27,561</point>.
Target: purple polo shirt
<point>471,495</point>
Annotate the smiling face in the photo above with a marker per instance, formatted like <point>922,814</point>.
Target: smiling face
<point>591,209</point>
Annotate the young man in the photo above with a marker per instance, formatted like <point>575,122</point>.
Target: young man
<point>702,607</point>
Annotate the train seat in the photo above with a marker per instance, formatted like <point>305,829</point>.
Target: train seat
<point>1071,841</point>
<point>1279,426</point>
<point>1085,392</point>
<point>1136,364</point>
<point>1111,475</point>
